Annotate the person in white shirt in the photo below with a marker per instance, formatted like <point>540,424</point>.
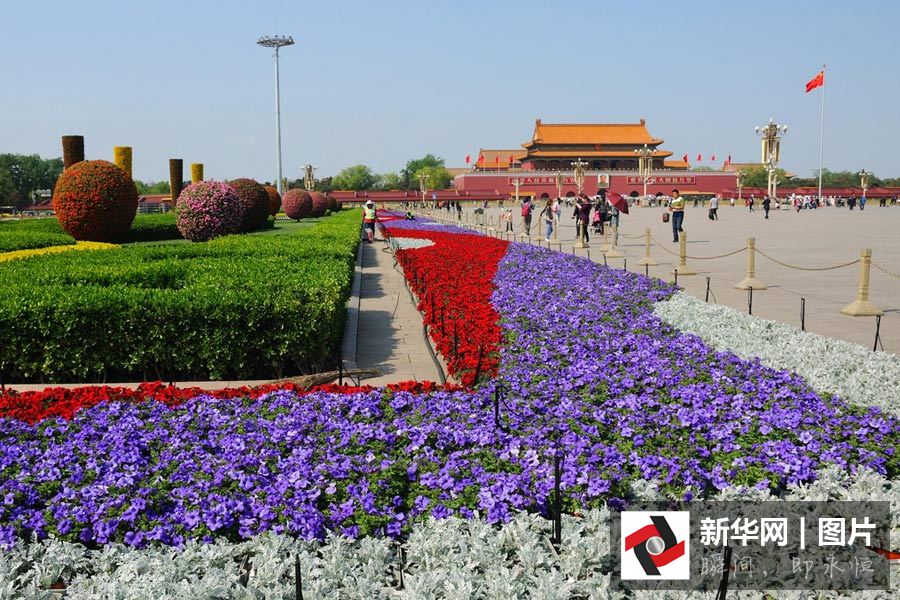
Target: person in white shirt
<point>714,208</point>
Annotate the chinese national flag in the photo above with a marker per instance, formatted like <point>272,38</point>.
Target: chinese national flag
<point>817,81</point>
<point>684,158</point>
<point>510,159</point>
<point>497,159</point>
<point>728,160</point>
<point>468,158</point>
<point>481,159</point>
<point>713,159</point>
<point>699,158</point>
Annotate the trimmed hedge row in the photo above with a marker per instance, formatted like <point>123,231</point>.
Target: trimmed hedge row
<point>237,307</point>
<point>12,240</point>
<point>145,228</point>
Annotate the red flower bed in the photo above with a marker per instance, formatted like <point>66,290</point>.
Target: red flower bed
<point>453,280</point>
<point>52,402</point>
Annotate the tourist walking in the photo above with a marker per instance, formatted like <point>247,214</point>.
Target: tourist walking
<point>583,212</point>
<point>750,202</point>
<point>557,210</point>
<point>676,206</point>
<point>369,217</point>
<point>714,208</point>
<point>547,215</point>
<point>458,211</point>
<point>862,203</point>
<point>506,217</point>
<point>851,202</point>
<point>767,203</point>
<point>526,216</point>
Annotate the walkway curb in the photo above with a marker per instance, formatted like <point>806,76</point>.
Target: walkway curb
<point>351,326</point>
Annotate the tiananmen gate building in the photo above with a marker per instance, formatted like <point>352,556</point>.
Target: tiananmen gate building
<point>609,149</point>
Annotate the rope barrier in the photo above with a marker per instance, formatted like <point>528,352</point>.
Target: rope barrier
<point>831,268</point>
<point>738,251</point>
<point>885,271</point>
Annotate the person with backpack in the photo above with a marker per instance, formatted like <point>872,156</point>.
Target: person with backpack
<point>583,212</point>
<point>526,216</point>
<point>369,217</point>
<point>767,204</point>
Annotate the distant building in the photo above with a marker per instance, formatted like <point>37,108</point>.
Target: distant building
<point>607,148</point>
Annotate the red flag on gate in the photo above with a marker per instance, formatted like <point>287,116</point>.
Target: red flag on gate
<point>713,159</point>
<point>497,159</point>
<point>468,158</point>
<point>728,160</point>
<point>684,158</point>
<point>510,159</point>
<point>817,81</point>
<point>699,158</point>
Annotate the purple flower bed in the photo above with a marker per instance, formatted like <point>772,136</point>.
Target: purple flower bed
<point>587,371</point>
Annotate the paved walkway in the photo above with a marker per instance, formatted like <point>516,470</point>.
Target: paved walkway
<point>828,236</point>
<point>390,337</point>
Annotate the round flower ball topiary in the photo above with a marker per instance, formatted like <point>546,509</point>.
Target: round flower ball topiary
<point>274,199</point>
<point>319,204</point>
<point>208,209</point>
<point>254,203</point>
<point>297,204</point>
<point>333,205</point>
<point>95,201</point>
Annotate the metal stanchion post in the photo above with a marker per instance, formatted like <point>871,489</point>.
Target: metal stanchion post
<point>707,289</point>
<point>682,256</point>
<point>802,314</point>
<point>647,260</point>
<point>861,307</point>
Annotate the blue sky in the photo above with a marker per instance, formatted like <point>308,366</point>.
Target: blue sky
<point>381,82</point>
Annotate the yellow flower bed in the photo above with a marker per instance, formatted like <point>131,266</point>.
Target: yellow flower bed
<point>4,256</point>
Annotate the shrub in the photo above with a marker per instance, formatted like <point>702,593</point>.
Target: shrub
<point>12,240</point>
<point>187,311</point>
<point>152,228</point>
<point>254,203</point>
<point>208,209</point>
<point>319,204</point>
<point>95,201</point>
<point>47,232</point>
<point>274,200</point>
<point>333,205</point>
<point>297,204</point>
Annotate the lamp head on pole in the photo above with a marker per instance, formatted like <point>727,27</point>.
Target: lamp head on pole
<point>275,41</point>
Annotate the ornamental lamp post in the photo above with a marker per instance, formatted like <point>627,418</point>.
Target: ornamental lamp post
<point>309,177</point>
<point>771,151</point>
<point>423,179</point>
<point>517,181</point>
<point>740,183</point>
<point>578,167</point>
<point>277,42</point>
<point>864,181</point>
<point>559,184</point>
<point>645,165</point>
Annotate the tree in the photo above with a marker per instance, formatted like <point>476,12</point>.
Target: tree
<point>157,187</point>
<point>8,194</point>
<point>31,172</point>
<point>355,178</point>
<point>757,176</point>
<point>436,178</point>
<point>324,185</point>
<point>408,174</point>
<point>390,181</point>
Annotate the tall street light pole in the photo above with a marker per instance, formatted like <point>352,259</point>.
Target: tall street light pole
<point>645,165</point>
<point>771,151</point>
<point>277,42</point>
<point>578,167</point>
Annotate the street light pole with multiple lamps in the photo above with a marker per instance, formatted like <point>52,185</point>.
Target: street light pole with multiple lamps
<point>771,152</point>
<point>277,42</point>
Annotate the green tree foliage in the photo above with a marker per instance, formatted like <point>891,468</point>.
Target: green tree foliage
<point>152,187</point>
<point>757,176</point>
<point>437,178</point>
<point>30,172</point>
<point>355,178</point>
<point>412,168</point>
<point>390,181</point>
<point>9,196</point>
<point>324,184</point>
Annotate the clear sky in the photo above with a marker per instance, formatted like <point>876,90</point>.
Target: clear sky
<point>380,82</point>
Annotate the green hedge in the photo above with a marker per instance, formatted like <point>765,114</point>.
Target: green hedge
<point>145,228</point>
<point>238,307</point>
<point>29,240</point>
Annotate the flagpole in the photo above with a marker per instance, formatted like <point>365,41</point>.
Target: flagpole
<point>822,137</point>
